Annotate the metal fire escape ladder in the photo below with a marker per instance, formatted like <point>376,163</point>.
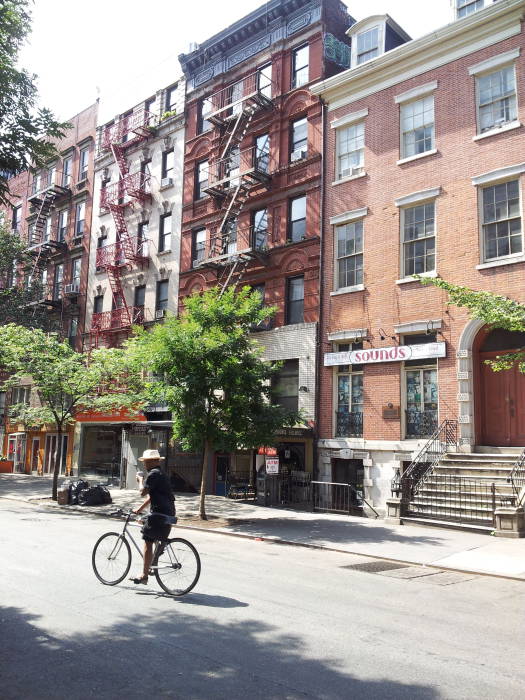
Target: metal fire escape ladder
<point>46,204</point>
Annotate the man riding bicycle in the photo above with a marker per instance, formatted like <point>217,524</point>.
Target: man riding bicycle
<point>161,500</point>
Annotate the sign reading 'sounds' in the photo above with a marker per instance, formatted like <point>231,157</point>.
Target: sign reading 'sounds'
<point>398,353</point>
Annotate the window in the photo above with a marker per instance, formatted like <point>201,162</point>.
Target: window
<point>201,179</point>
<point>125,123</point>
<point>51,175</point>
<point>66,171</point>
<point>62,225</point>
<point>80,218</point>
<point>198,246</point>
<point>285,385</point>
<point>502,231</point>
<point>368,45</point>
<point>165,233</point>
<point>298,139</point>
<point>496,98</point>
<point>84,162</point>
<point>264,81</point>
<point>300,66</point>
<point>98,304</point>
<point>205,108</point>
<point>349,254</point>
<point>20,395</point>
<point>418,238</point>
<point>297,219</point>
<point>72,333</point>
<point>168,160</point>
<point>229,238</point>
<point>149,107</point>
<point>171,99</point>
<point>260,228</point>
<point>417,127</point>
<point>142,238</point>
<point>16,218</point>
<point>140,295</point>
<point>161,301</point>
<point>350,150</point>
<point>75,270</point>
<point>467,7</point>
<point>349,407</point>
<point>295,300</point>
<point>47,229</point>
<point>145,174</point>
<point>57,282</point>
<point>262,153</point>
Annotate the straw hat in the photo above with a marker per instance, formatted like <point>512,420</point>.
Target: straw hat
<point>150,454</point>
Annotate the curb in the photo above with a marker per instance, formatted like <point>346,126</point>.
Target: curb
<point>280,541</point>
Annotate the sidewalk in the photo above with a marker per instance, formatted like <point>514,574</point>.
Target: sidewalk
<point>443,548</point>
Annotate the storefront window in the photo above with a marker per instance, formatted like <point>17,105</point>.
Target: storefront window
<point>421,402</point>
<point>349,412</point>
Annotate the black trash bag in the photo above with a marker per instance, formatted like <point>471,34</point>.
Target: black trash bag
<point>75,488</point>
<point>94,496</point>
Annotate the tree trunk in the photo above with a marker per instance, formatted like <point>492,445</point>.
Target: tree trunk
<point>202,504</point>
<point>58,460</point>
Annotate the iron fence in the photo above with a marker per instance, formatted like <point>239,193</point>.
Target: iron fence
<point>349,424</point>
<point>331,497</point>
<point>421,423</point>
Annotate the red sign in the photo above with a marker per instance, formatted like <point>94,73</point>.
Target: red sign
<point>269,451</point>
<point>112,417</point>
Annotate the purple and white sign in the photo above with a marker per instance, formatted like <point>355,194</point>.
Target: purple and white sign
<point>398,353</point>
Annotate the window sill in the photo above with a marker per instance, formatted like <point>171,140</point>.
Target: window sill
<point>498,130</point>
<point>348,290</point>
<point>511,260</point>
<point>418,156</point>
<point>407,280</point>
<point>163,252</point>
<point>168,187</point>
<point>349,178</point>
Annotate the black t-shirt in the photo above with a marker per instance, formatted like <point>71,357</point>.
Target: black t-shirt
<point>160,493</point>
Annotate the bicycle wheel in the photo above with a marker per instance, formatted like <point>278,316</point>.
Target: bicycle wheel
<point>177,566</point>
<point>111,558</point>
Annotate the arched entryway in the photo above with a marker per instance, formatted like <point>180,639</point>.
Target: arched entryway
<point>500,410</point>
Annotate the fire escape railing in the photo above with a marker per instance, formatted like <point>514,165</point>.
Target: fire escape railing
<point>140,123</point>
<point>116,254</point>
<point>133,186</point>
<point>119,319</point>
<point>248,166</point>
<point>228,102</point>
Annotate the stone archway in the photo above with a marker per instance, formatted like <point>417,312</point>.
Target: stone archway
<point>465,366</point>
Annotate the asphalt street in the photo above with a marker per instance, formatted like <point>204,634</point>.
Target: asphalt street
<point>265,621</point>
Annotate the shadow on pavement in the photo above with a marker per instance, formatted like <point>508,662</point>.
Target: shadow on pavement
<point>179,656</point>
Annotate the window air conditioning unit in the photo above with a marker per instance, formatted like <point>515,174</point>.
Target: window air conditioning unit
<point>298,154</point>
<point>73,288</point>
<point>160,313</point>
<point>348,172</point>
<point>166,182</point>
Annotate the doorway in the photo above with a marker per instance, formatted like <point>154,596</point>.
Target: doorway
<point>222,469</point>
<point>36,467</point>
<point>502,394</point>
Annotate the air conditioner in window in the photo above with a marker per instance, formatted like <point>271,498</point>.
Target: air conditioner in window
<point>160,313</point>
<point>298,154</point>
<point>71,289</point>
<point>166,182</point>
<point>348,172</point>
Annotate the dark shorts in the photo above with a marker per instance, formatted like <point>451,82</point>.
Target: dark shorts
<point>156,528</point>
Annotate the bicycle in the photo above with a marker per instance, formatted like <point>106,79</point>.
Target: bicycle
<point>176,563</point>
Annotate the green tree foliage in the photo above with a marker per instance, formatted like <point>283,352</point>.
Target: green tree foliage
<point>495,310</point>
<point>214,380</point>
<point>26,131</point>
<point>20,292</point>
<point>66,381</point>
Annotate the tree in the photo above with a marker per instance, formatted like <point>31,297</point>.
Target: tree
<point>66,381</point>
<point>26,131</point>
<point>18,298</point>
<point>213,378</point>
<point>495,310</point>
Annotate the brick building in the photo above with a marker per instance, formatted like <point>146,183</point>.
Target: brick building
<point>51,212</point>
<point>252,187</point>
<point>424,162</point>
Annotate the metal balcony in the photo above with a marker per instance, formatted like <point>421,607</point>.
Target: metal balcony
<point>246,243</point>
<point>349,424</point>
<point>140,124</point>
<point>115,254</point>
<point>118,319</point>
<point>254,91</point>
<point>246,168</point>
<point>132,187</point>
<point>54,181</point>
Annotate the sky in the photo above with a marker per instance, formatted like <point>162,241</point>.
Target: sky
<point>124,50</point>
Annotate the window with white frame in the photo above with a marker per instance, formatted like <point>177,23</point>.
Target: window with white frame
<point>300,66</point>
<point>417,127</point>
<point>368,45</point>
<point>62,225</point>
<point>350,398</point>
<point>349,254</point>
<point>418,235</point>
<point>67,166</point>
<point>350,148</point>
<point>467,7</point>
<point>80,218</point>
<point>84,163</point>
<point>496,94</point>
<point>501,212</point>
<point>165,233</point>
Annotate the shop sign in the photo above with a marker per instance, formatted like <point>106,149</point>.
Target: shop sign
<point>109,417</point>
<point>270,451</point>
<point>272,465</point>
<point>294,432</point>
<point>398,353</point>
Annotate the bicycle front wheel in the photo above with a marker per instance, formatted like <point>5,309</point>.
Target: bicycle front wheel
<point>111,558</point>
<point>177,566</point>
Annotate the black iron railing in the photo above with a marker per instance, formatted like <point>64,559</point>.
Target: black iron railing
<point>454,498</point>
<point>331,497</point>
<point>349,424</point>
<point>421,423</point>
<point>517,479</point>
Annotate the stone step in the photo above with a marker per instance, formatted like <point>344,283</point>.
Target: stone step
<point>432,522</point>
<point>438,502</point>
<point>474,514</point>
<point>481,449</point>
<point>478,459</point>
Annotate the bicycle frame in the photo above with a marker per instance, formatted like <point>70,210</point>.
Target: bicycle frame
<point>127,534</point>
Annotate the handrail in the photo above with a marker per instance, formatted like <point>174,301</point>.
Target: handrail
<point>427,458</point>
<point>351,487</point>
<point>517,479</point>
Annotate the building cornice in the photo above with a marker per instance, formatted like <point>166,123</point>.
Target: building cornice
<point>460,38</point>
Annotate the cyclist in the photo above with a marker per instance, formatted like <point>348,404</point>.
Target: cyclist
<point>161,500</point>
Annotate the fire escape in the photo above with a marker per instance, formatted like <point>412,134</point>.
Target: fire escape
<point>234,174</point>
<point>131,190</point>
